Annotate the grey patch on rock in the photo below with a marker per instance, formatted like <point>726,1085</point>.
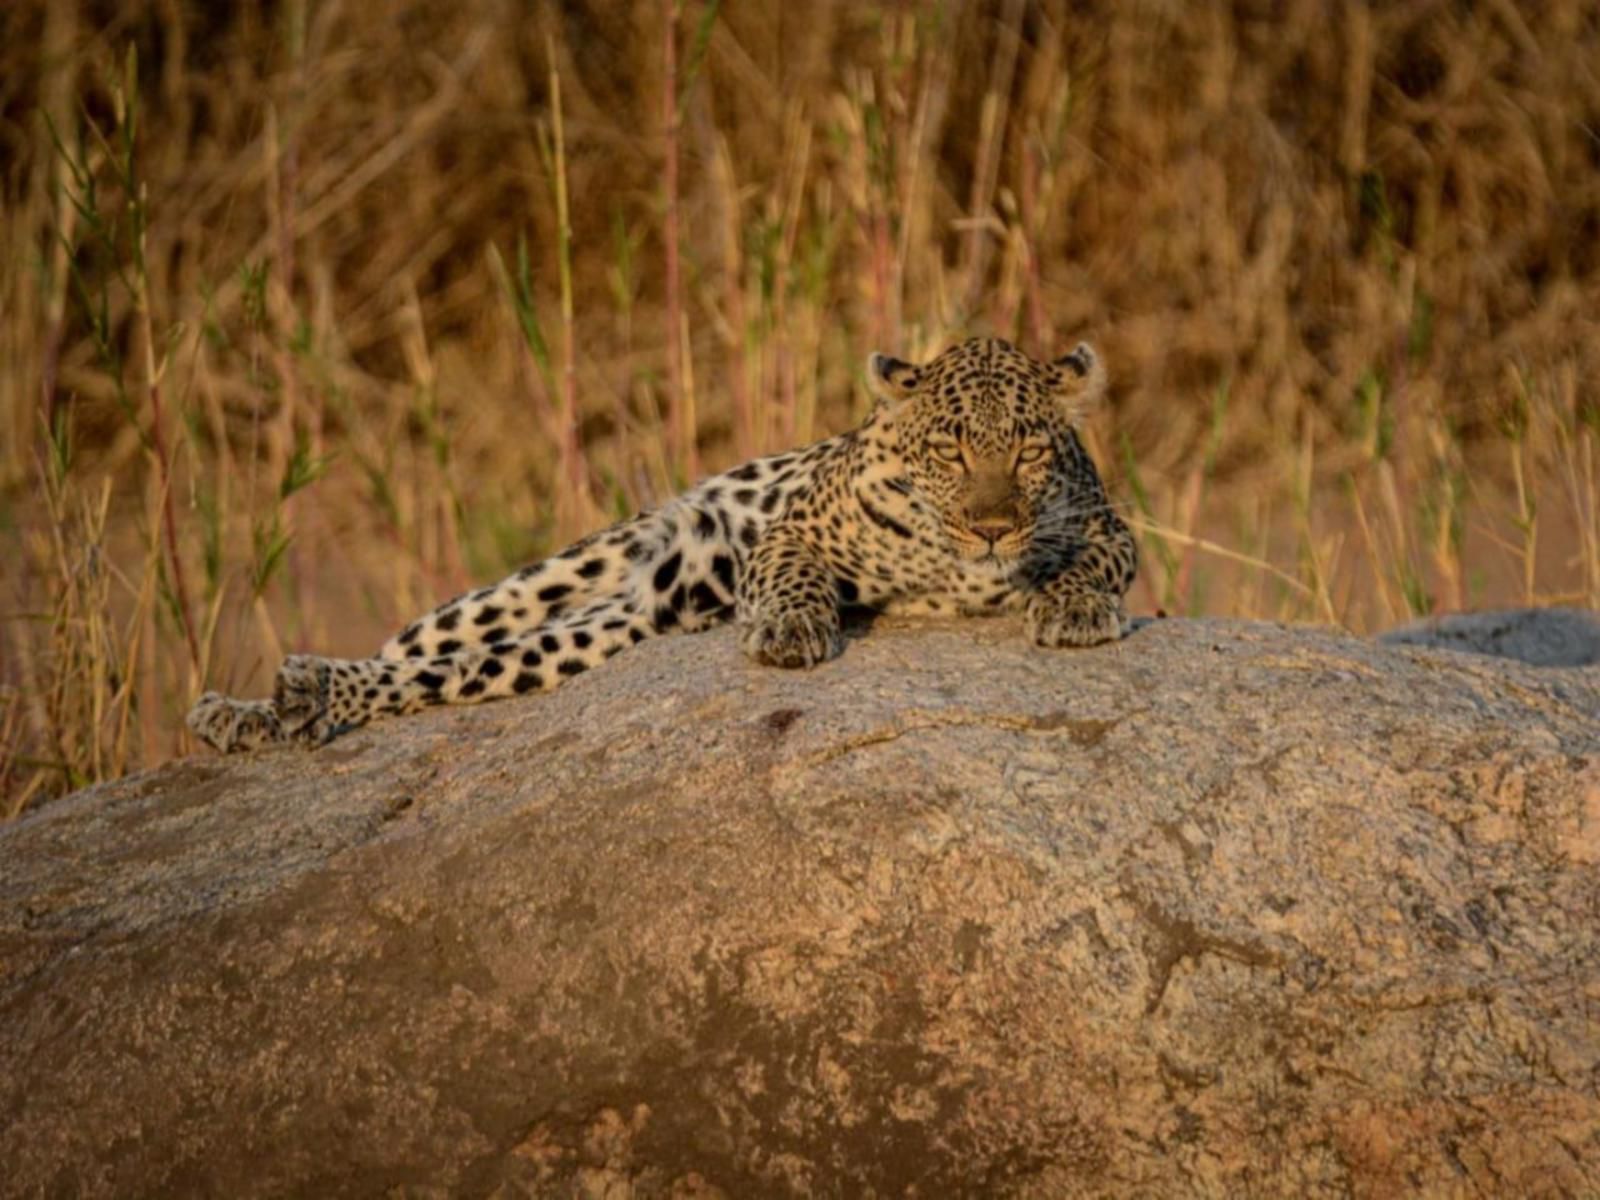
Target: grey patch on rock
<point>1222,909</point>
<point>1542,637</point>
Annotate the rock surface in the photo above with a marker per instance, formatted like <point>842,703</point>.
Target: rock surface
<point>1545,637</point>
<point>1226,909</point>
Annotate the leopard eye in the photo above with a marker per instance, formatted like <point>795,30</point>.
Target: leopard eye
<point>1032,454</point>
<point>949,452</point>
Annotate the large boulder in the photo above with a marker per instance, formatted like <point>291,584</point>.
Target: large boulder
<point>1545,637</point>
<point>1225,909</point>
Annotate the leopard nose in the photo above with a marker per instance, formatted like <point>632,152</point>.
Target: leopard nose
<point>992,529</point>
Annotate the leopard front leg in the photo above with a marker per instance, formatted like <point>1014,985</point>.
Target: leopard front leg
<point>1085,619</point>
<point>1083,604</point>
<point>788,604</point>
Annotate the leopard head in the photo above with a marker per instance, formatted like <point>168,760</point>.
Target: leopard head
<point>985,435</point>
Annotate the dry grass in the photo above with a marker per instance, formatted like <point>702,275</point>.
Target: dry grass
<point>315,312</point>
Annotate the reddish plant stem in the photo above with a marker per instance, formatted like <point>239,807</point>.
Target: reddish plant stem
<point>169,522</point>
<point>680,440</point>
<point>573,467</point>
<point>1038,320</point>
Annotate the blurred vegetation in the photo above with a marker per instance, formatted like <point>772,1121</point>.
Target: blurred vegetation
<point>314,313</point>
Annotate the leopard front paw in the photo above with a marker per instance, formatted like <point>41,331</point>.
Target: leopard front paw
<point>301,695</point>
<point>792,639</point>
<point>1086,619</point>
<point>228,725</point>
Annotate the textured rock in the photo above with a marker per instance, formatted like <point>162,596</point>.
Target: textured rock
<point>1545,637</point>
<point>1226,909</point>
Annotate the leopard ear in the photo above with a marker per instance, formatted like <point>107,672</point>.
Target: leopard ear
<point>1078,379</point>
<point>892,379</point>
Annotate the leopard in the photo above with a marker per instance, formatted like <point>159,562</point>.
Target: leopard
<point>965,491</point>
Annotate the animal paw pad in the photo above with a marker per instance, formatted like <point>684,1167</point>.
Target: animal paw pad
<point>232,725</point>
<point>792,640</point>
<point>1085,620</point>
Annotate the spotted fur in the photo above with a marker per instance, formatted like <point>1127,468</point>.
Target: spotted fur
<point>965,491</point>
